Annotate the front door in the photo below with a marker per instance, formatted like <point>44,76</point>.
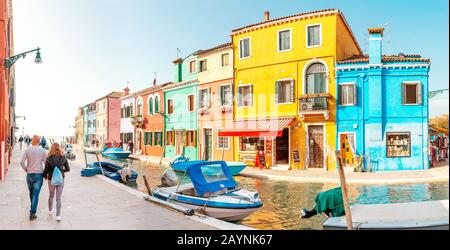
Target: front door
<point>282,148</point>
<point>179,142</point>
<point>207,137</point>
<point>315,145</point>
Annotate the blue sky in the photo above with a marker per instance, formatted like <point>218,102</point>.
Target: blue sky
<point>92,47</point>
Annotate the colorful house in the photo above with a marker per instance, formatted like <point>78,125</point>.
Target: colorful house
<point>285,88</point>
<point>79,127</point>
<point>126,117</point>
<point>149,123</point>
<point>85,124</point>
<point>215,102</point>
<point>383,108</point>
<point>180,110</point>
<point>91,124</point>
<point>108,118</point>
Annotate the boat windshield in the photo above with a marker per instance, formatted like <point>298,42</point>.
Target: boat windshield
<point>213,173</point>
<point>210,176</point>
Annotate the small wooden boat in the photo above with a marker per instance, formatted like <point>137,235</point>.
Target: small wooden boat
<point>110,170</point>
<point>181,165</point>
<point>398,216</point>
<point>115,153</point>
<point>215,195</point>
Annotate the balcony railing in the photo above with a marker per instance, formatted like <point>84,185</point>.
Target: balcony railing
<point>313,104</point>
<point>137,120</point>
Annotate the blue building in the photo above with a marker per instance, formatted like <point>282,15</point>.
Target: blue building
<point>382,109</point>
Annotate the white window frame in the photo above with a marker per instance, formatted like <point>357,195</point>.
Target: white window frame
<point>249,48</point>
<point>218,140</point>
<point>220,95</point>
<point>167,106</point>
<point>419,101</point>
<point>208,91</point>
<point>305,69</point>
<point>278,40</point>
<point>355,92</point>
<point>187,103</point>
<point>221,59</point>
<point>307,35</point>
<point>189,67</point>
<point>244,85</point>
<point>136,106</point>
<point>292,82</point>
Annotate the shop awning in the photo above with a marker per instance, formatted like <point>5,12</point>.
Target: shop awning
<point>259,127</point>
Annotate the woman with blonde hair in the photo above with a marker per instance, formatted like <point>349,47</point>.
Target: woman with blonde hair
<point>57,159</point>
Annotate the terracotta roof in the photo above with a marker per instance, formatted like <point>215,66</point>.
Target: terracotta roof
<point>218,47</point>
<point>113,94</point>
<point>286,17</point>
<point>376,30</point>
<point>150,89</point>
<point>386,58</point>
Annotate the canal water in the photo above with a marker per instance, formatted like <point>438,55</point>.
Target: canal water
<point>282,200</point>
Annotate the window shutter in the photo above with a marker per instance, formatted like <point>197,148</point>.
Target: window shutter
<point>194,138</point>
<point>355,94</point>
<point>292,91</point>
<point>277,91</point>
<point>403,93</point>
<point>419,93</point>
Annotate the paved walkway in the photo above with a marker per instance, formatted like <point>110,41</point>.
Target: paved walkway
<point>91,203</point>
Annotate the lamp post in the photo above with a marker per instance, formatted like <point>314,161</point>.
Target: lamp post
<point>8,62</point>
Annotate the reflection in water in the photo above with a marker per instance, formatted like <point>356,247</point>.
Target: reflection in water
<point>283,200</point>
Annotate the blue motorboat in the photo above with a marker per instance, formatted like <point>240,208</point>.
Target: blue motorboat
<point>111,171</point>
<point>115,153</point>
<point>181,164</point>
<point>216,195</point>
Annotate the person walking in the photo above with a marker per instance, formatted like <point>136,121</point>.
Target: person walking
<point>55,159</point>
<point>32,162</point>
<point>130,147</point>
<point>20,142</point>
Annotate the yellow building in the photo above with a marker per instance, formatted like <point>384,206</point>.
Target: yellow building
<point>285,93</point>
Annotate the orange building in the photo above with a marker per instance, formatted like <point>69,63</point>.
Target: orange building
<point>7,96</point>
<point>149,120</point>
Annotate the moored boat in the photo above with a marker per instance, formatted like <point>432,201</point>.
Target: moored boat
<point>180,164</point>
<point>395,216</point>
<point>115,153</point>
<point>111,171</point>
<point>216,195</point>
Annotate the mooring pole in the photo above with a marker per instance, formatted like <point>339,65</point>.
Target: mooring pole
<point>348,215</point>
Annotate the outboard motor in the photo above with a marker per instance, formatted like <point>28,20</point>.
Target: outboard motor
<point>169,178</point>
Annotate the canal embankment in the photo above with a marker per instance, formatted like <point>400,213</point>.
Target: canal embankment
<point>92,203</point>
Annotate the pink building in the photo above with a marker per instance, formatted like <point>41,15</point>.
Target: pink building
<point>108,118</point>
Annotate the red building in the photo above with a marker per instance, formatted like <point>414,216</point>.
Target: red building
<point>7,95</point>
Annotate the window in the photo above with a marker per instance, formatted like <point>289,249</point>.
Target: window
<point>315,79</point>
<point>150,105</point>
<point>95,123</point>
<point>412,93</point>
<point>192,66</point>
<point>156,104</point>
<point>284,91</point>
<point>245,96</point>
<point>284,40</point>
<point>223,142</point>
<point>398,144</point>
<point>190,138</point>
<point>244,48</point>
<point>347,94</point>
<point>190,103</point>
<point>104,123</point>
<point>104,104</point>
<point>203,64</point>
<point>250,143</point>
<point>204,98</point>
<point>158,139</point>
<point>313,35</point>
<point>148,138</point>
<point>226,96</point>
<point>225,59</point>
<point>139,106</point>
<point>170,106</point>
<point>170,138</point>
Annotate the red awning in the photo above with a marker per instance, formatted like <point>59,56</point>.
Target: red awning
<point>261,127</point>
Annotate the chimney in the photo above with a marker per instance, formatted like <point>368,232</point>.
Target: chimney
<point>126,90</point>
<point>266,16</point>
<point>375,45</point>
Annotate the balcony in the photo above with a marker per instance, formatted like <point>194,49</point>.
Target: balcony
<point>137,121</point>
<point>314,104</point>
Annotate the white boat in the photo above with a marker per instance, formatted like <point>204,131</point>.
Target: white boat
<point>395,216</point>
<point>216,195</point>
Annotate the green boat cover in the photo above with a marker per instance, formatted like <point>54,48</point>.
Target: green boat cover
<point>330,200</point>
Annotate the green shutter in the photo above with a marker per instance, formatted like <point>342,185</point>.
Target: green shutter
<point>150,105</point>
<point>156,104</point>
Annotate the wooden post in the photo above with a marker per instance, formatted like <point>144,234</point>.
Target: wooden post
<point>340,166</point>
<point>85,158</point>
<point>147,186</point>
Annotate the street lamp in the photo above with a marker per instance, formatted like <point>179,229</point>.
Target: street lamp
<point>8,62</point>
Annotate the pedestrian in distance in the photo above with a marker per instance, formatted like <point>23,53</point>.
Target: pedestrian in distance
<point>56,163</point>
<point>130,146</point>
<point>20,142</point>
<point>32,162</point>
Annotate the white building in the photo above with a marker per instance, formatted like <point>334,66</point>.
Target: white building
<point>126,127</point>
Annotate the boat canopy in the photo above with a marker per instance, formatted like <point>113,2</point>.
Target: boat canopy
<point>204,181</point>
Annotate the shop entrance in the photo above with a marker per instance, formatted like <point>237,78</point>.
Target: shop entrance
<point>316,146</point>
<point>282,148</point>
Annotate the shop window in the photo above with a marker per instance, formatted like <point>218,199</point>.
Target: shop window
<point>284,91</point>
<point>158,139</point>
<point>250,143</point>
<point>170,138</point>
<point>398,144</point>
<point>412,93</point>
<point>190,139</point>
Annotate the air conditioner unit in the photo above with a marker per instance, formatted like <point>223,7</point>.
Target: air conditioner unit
<point>305,106</point>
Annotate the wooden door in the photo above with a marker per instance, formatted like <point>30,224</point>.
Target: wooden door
<point>207,137</point>
<point>316,147</point>
<point>179,142</point>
